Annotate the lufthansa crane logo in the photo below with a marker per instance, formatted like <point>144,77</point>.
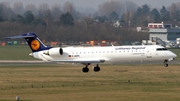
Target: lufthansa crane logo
<point>35,45</point>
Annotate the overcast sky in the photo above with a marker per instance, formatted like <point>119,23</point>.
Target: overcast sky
<point>94,3</point>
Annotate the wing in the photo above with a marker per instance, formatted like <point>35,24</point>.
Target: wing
<point>82,61</point>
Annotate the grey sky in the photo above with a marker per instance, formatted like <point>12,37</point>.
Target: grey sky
<point>94,3</point>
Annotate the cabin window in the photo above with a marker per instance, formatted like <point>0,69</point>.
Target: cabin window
<point>161,49</point>
<point>165,49</point>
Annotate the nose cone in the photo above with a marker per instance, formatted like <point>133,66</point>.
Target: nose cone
<point>173,55</point>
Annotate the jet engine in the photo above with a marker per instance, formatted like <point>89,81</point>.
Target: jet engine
<point>54,52</point>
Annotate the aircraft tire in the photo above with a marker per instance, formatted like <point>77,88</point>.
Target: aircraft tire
<point>85,69</point>
<point>166,65</point>
<point>96,69</point>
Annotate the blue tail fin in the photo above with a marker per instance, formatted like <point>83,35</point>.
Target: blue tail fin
<point>33,41</point>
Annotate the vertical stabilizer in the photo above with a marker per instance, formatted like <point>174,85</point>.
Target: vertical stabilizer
<point>33,41</point>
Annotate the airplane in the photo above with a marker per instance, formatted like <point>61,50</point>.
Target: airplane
<point>96,55</point>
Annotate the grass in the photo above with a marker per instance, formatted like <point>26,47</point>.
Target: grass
<point>15,53</point>
<point>177,52</point>
<point>68,83</point>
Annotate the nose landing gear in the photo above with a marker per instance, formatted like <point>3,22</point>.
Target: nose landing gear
<point>165,63</point>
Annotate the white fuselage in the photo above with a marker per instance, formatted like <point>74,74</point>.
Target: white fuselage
<point>109,54</point>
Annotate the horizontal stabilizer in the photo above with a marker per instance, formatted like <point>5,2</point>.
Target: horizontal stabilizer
<point>22,36</point>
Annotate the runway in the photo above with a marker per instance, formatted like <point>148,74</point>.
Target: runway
<point>23,61</point>
<point>13,62</point>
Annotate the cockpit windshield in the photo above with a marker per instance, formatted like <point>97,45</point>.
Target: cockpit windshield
<point>161,49</point>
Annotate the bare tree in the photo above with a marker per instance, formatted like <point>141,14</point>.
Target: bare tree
<point>18,8</point>
<point>88,21</point>
<point>69,7</point>
<point>7,12</point>
<point>178,5</point>
<point>127,18</point>
<point>130,6</point>
<point>56,11</point>
<point>32,8</point>
<point>42,8</point>
<point>120,7</point>
<point>48,18</point>
<point>173,10</point>
<point>110,6</point>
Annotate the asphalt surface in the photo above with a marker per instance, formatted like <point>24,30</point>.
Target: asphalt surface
<point>11,62</point>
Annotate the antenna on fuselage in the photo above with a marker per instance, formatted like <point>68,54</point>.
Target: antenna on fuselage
<point>112,44</point>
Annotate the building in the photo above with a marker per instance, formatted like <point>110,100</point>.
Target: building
<point>163,31</point>
<point>159,25</point>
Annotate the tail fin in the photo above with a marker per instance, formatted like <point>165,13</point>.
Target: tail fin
<point>33,41</point>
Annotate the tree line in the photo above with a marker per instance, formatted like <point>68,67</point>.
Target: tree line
<point>66,23</point>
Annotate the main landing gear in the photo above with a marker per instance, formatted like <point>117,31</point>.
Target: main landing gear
<point>86,69</point>
<point>97,68</point>
<point>165,63</point>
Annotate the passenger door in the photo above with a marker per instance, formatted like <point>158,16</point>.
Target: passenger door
<point>149,53</point>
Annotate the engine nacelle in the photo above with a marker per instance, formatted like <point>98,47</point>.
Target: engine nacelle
<point>54,52</point>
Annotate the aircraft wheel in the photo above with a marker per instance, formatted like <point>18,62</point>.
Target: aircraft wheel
<point>97,69</point>
<point>165,64</point>
<point>85,69</point>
